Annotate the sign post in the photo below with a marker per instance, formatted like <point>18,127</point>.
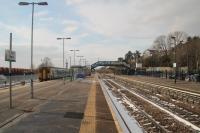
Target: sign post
<point>11,57</point>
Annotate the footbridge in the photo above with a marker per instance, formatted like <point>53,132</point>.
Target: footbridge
<point>110,63</point>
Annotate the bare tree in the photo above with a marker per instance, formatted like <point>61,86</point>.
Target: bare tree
<point>129,57</point>
<point>46,62</point>
<point>180,36</point>
<point>161,44</point>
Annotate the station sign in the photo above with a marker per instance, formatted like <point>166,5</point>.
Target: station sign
<point>10,55</point>
<point>174,65</point>
<point>138,65</point>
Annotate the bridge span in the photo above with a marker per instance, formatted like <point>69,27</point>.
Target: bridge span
<point>110,63</point>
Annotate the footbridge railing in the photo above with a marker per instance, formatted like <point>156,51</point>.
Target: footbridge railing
<point>110,63</point>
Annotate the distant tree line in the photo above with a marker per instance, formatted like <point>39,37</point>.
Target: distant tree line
<point>164,49</point>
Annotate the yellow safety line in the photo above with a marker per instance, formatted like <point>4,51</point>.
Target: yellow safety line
<point>88,124</point>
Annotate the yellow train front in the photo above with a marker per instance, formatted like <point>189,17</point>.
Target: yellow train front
<point>50,73</point>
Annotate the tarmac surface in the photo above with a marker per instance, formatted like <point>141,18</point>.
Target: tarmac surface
<point>56,109</point>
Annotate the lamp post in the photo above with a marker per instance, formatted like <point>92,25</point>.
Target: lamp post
<point>80,59</point>
<point>84,61</point>
<point>63,38</point>
<point>70,61</point>
<point>174,64</point>
<point>151,64</point>
<point>33,4</point>
<point>75,50</point>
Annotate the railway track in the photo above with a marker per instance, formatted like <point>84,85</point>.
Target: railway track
<point>150,117</point>
<point>187,96</point>
<point>183,108</point>
<point>149,124</point>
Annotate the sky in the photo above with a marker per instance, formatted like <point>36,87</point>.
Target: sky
<point>100,29</point>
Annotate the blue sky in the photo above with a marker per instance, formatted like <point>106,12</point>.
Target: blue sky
<point>104,29</point>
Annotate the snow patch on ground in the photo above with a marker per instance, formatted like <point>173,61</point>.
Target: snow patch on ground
<point>171,114</point>
<point>130,104</point>
<point>132,124</point>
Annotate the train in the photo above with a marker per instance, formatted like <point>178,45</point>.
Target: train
<point>49,73</point>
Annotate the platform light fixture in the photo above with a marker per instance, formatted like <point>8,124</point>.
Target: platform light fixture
<point>63,38</point>
<point>74,50</point>
<point>33,4</point>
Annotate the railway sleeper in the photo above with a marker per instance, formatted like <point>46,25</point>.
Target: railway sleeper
<point>143,121</point>
<point>152,128</point>
<point>140,120</point>
<point>195,115</point>
<point>192,118</point>
<point>195,122</point>
<point>167,118</point>
<point>148,124</point>
<point>188,113</point>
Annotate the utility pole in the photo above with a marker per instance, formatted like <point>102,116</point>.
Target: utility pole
<point>10,74</point>
<point>85,61</point>
<point>70,61</point>
<point>174,64</point>
<point>10,56</point>
<point>74,55</point>
<point>80,59</point>
<point>63,38</point>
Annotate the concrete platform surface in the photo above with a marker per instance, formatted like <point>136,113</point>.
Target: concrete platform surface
<point>59,112</point>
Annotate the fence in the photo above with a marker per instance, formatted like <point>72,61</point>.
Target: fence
<point>181,75</point>
<point>17,79</point>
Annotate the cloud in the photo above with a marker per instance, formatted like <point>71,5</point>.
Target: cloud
<point>71,2</point>
<point>42,36</point>
<point>99,28</point>
<point>47,19</point>
<point>17,30</point>
<point>82,35</point>
<point>70,25</point>
<point>136,18</point>
<point>94,51</point>
<point>135,23</point>
<point>41,14</point>
<point>45,44</point>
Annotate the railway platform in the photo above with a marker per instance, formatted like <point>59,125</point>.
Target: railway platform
<point>98,117</point>
<point>77,106</point>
